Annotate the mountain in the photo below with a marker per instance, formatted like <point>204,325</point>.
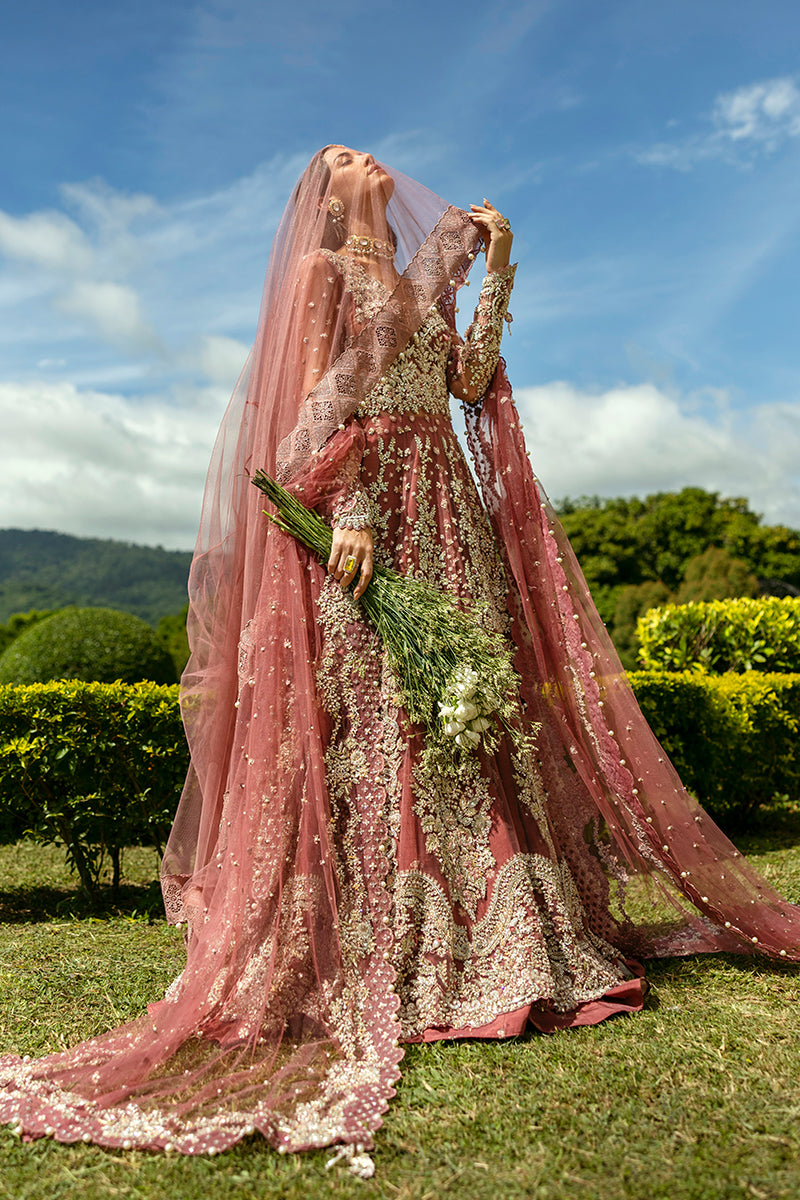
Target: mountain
<point>40,569</point>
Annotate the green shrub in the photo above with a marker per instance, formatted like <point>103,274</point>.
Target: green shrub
<point>92,766</point>
<point>19,622</point>
<point>722,635</point>
<point>96,767</point>
<point>734,739</point>
<point>98,644</point>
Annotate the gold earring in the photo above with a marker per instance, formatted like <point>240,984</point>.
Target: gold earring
<point>336,209</point>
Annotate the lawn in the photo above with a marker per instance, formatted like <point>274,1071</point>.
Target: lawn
<point>697,1098</point>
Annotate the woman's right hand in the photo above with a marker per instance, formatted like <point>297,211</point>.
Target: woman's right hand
<point>496,235</point>
<point>351,548</point>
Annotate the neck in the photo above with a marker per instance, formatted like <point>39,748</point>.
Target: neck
<point>376,228</point>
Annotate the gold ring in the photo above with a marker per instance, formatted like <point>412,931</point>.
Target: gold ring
<point>349,565</point>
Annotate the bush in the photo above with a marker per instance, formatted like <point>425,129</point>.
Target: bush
<point>90,765</point>
<point>96,767</point>
<point>19,622</point>
<point>723,635</point>
<point>98,644</point>
<point>733,738</point>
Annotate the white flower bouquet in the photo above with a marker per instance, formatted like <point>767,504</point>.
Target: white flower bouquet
<point>455,676</point>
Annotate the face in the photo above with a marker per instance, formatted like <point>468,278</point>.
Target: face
<point>356,174</point>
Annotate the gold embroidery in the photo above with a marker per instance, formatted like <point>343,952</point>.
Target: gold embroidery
<point>472,363</point>
<point>531,944</point>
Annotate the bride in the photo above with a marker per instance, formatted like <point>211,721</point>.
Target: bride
<point>342,898</point>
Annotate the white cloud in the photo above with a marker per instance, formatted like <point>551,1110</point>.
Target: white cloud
<point>126,266</point>
<point>48,239</point>
<point>102,465</point>
<point>107,208</point>
<point>221,359</point>
<point>112,309</point>
<point>758,117</point>
<point>639,439</point>
<point>763,112</point>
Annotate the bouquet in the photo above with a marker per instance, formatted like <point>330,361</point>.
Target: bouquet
<point>456,678</point>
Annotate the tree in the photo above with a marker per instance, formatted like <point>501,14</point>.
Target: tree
<point>715,575</point>
<point>625,543</point>
<point>632,601</point>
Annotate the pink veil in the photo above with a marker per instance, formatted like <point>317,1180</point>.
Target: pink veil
<point>616,802</point>
<point>277,1024</point>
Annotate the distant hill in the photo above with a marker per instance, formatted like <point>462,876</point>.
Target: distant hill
<point>43,570</point>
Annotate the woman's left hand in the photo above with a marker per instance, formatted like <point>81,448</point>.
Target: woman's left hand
<point>496,234</point>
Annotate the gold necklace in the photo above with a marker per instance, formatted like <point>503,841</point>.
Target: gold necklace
<point>367,245</point>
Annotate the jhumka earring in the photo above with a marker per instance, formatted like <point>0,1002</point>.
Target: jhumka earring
<point>336,210</point>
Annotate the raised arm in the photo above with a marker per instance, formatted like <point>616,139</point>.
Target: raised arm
<point>473,361</point>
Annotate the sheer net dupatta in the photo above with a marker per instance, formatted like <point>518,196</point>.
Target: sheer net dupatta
<point>284,1019</point>
<point>612,787</point>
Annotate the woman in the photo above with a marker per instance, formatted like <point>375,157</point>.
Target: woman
<point>340,897</point>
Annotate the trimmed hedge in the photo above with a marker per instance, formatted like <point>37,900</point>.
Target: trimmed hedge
<point>99,644</point>
<point>734,739</point>
<point>723,635</point>
<point>97,767</point>
<point>94,766</point>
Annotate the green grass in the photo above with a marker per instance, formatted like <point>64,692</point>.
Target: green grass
<point>697,1098</point>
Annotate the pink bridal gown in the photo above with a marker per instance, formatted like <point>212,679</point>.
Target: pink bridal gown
<point>339,899</point>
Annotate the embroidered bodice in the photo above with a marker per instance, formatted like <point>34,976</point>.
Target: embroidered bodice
<point>417,379</point>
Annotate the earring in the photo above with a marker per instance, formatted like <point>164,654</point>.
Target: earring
<point>336,211</point>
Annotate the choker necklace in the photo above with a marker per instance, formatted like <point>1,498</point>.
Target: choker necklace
<point>368,245</point>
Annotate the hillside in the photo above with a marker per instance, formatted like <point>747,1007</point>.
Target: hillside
<point>40,569</point>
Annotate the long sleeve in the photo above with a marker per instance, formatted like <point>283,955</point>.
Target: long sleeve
<point>473,361</point>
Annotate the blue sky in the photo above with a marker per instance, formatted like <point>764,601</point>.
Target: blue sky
<point>647,154</point>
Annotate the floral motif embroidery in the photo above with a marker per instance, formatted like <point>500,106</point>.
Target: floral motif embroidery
<point>354,513</point>
<point>472,364</point>
<point>530,945</point>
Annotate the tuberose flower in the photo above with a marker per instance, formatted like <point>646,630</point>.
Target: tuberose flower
<point>468,740</point>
